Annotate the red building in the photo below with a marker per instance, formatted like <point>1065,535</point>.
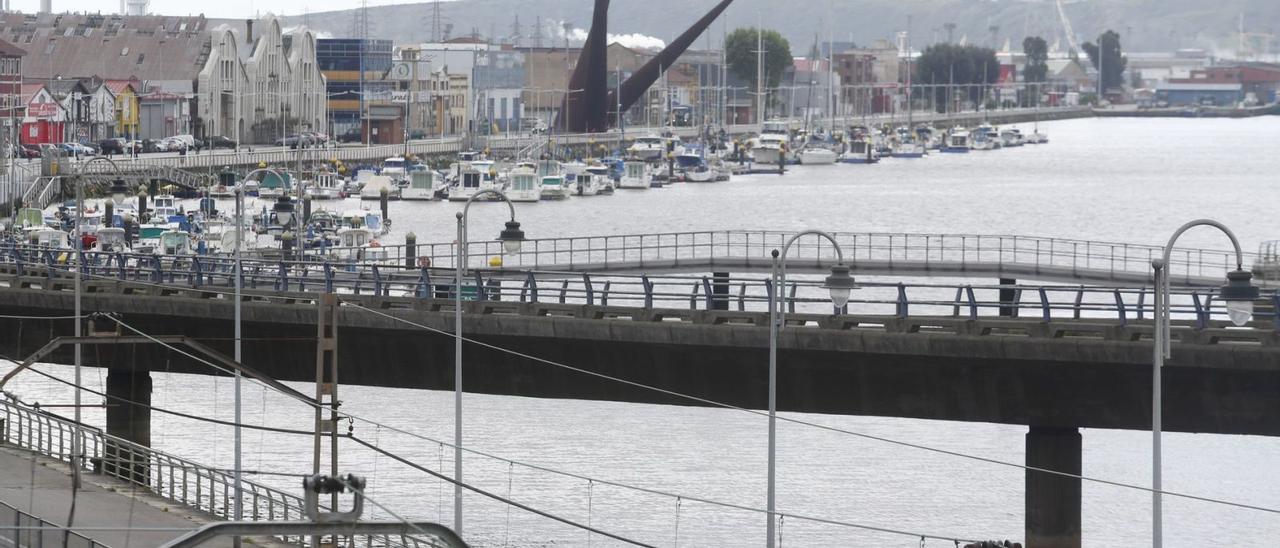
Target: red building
<point>44,119</point>
<point>11,104</point>
<point>1260,79</point>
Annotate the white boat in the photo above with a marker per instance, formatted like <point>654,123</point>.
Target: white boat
<point>986,137</point>
<point>635,175</point>
<point>365,218</point>
<point>721,169</point>
<point>1011,137</point>
<point>648,148</point>
<point>111,240</point>
<point>1036,137</point>
<point>326,186</point>
<point>603,179</point>
<point>553,187</point>
<point>907,145</point>
<point>222,191</point>
<point>395,168</point>
<point>251,188</point>
<point>815,155</point>
<point>522,184</point>
<point>174,242</point>
<point>957,141</point>
<point>421,187</point>
<point>374,186</point>
<point>861,151</point>
<point>358,244</point>
<point>164,206</point>
<point>470,182</point>
<point>47,238</point>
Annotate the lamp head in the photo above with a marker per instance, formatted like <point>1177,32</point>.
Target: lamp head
<point>283,209</point>
<point>840,283</point>
<point>119,191</point>
<point>1239,294</point>
<point>511,237</point>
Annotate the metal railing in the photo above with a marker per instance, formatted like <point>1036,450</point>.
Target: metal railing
<point>19,529</point>
<point>209,490</point>
<point>303,281</point>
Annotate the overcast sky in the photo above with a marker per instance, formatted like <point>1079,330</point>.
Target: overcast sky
<point>219,8</point>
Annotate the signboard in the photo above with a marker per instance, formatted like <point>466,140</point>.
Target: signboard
<point>42,110</point>
<point>399,96</point>
<point>401,71</point>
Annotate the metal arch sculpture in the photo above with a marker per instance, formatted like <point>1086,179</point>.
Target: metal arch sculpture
<point>588,101</point>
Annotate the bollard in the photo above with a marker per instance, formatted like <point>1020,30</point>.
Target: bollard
<point>410,250</point>
<point>383,196</point>
<point>306,209</point>
<point>108,213</point>
<point>286,245</point>
<point>142,204</point>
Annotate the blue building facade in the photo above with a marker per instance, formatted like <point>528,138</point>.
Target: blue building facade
<point>354,69</point>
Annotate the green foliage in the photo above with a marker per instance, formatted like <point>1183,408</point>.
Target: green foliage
<point>1037,52</point>
<point>960,65</point>
<point>740,54</point>
<point>1113,61</point>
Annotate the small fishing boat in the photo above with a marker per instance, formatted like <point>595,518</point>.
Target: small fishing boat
<point>814,155</point>
<point>648,148</point>
<point>375,185</point>
<point>635,175</point>
<point>421,186</point>
<point>957,141</point>
<point>326,186</point>
<point>522,183</point>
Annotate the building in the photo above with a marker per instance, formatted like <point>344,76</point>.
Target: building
<point>74,98</point>
<point>11,99</point>
<point>495,74</point>
<point>355,70</point>
<point>102,110</point>
<point>126,107</point>
<point>869,77</point>
<point>1199,93</point>
<point>1258,82</point>
<point>247,79</point>
<point>44,119</point>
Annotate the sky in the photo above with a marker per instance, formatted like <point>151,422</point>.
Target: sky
<point>220,9</point>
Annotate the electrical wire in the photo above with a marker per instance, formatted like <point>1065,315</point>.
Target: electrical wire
<point>494,496</point>
<point>800,422</point>
<point>570,474</point>
<point>160,409</point>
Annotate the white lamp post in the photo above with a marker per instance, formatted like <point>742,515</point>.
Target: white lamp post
<point>839,283</point>
<point>1239,294</point>
<point>512,238</point>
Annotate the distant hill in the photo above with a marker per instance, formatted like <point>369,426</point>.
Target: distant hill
<point>1145,25</point>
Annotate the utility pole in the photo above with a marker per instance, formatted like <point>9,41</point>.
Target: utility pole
<point>759,71</point>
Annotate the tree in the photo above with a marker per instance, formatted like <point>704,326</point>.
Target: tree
<point>1113,62</point>
<point>1037,52</point>
<point>740,54</point>
<point>960,65</point>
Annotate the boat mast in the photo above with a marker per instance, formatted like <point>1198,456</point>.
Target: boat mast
<point>759,71</point>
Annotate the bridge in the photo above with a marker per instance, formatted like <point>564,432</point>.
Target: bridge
<point>686,313</point>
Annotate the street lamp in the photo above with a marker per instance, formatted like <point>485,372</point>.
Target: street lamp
<point>78,246</point>
<point>511,237</point>
<point>1239,294</point>
<point>839,284</point>
<point>238,478</point>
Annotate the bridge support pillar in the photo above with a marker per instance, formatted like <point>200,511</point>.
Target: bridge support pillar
<point>1008,297</point>
<point>128,419</point>
<point>1053,502</point>
<point>719,290</point>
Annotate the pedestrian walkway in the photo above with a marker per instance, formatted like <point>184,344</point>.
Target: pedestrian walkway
<point>133,517</point>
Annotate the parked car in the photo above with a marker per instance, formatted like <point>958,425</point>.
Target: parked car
<point>77,149</point>
<point>29,151</point>
<point>115,145</point>
<point>218,141</point>
<point>353,136</point>
<point>295,140</point>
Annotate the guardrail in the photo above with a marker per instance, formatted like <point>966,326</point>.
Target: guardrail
<point>20,529</point>
<point>303,281</point>
<point>902,253</point>
<point>171,477</point>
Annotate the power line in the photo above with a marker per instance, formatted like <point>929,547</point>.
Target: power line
<point>559,472</point>
<point>883,439</point>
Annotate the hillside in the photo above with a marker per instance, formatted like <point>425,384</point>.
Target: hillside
<point>1146,25</point>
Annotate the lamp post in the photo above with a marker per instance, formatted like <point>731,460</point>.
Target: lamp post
<point>1239,294</point>
<point>118,191</point>
<point>839,283</point>
<point>238,478</point>
<point>511,238</point>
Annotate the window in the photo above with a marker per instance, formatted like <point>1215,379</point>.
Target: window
<point>141,56</point>
<point>125,51</point>
<point>48,48</point>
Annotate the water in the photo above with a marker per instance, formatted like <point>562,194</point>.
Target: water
<point>1122,180</point>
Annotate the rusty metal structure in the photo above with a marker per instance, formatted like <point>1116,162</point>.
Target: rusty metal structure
<point>587,106</point>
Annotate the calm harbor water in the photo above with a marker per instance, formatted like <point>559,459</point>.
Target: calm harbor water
<point>1120,180</point>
